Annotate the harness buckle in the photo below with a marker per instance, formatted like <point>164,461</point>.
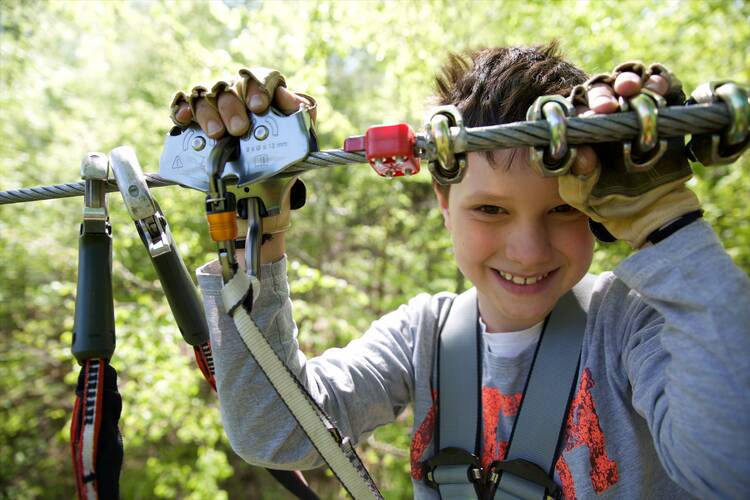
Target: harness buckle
<point>524,469</point>
<point>453,456</point>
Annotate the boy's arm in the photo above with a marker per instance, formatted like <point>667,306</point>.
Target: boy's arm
<point>688,359</point>
<point>361,386</point>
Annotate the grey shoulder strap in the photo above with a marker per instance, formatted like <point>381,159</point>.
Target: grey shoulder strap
<point>545,404</point>
<point>459,402</point>
<point>526,472</point>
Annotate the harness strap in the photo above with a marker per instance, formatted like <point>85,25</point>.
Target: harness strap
<point>526,473</point>
<point>535,437</point>
<point>454,470</point>
<point>96,445</point>
<point>338,453</point>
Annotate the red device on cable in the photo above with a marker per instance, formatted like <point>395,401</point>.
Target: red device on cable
<point>389,149</point>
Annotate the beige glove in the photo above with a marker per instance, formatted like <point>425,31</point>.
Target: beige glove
<point>267,81</point>
<point>632,205</point>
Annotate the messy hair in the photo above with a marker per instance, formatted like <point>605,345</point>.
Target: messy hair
<point>497,85</point>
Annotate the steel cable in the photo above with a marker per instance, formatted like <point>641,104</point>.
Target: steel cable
<point>673,121</point>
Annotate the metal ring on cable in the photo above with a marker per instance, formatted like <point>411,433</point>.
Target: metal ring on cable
<point>557,158</point>
<point>715,149</point>
<point>448,166</point>
<point>649,149</point>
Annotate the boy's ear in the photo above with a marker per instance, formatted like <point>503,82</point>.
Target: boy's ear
<point>442,197</point>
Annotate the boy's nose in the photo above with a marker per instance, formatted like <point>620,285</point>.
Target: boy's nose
<point>528,245</point>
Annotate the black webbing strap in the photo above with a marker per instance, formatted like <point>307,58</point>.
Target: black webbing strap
<point>541,416</point>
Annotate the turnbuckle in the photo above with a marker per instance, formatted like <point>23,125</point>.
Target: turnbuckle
<point>715,149</point>
<point>558,157</point>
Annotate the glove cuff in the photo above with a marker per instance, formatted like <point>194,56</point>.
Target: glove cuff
<point>636,229</point>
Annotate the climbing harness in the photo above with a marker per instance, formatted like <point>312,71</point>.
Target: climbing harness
<point>526,472</point>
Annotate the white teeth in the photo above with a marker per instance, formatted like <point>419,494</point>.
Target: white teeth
<point>522,281</point>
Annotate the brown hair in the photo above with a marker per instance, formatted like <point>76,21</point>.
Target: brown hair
<point>497,85</point>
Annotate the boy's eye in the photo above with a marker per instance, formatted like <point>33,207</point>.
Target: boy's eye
<point>488,209</point>
<point>564,209</point>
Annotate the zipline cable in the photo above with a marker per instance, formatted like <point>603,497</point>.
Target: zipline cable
<point>673,121</point>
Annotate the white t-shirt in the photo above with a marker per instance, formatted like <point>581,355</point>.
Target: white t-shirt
<point>510,344</point>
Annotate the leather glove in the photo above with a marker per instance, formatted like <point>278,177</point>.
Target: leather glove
<point>632,205</point>
<point>267,81</point>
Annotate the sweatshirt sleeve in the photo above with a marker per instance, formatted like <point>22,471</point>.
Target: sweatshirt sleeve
<point>360,387</point>
<point>687,356</point>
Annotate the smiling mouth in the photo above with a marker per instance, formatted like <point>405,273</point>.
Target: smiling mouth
<point>522,280</point>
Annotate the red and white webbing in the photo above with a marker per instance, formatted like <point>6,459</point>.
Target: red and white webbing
<point>84,431</point>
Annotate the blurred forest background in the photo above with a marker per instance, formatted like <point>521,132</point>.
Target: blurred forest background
<point>78,76</point>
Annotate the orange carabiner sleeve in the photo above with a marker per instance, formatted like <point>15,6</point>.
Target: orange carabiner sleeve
<point>222,225</point>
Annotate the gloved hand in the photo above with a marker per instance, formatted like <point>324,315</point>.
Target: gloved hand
<point>630,205</point>
<point>223,107</point>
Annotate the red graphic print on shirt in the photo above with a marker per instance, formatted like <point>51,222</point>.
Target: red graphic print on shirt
<point>582,429</point>
<point>495,404</point>
<point>421,440</point>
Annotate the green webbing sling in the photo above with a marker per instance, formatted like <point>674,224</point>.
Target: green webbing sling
<point>526,472</point>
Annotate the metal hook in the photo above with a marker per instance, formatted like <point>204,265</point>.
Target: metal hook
<point>449,162</point>
<point>715,149</point>
<point>650,148</point>
<point>557,158</point>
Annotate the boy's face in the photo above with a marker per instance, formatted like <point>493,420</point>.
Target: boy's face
<point>515,239</point>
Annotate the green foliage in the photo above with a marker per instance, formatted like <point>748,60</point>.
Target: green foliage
<point>77,76</point>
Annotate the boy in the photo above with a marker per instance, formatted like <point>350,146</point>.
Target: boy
<point>660,408</point>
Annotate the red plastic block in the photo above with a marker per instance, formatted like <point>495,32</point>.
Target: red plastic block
<point>390,150</point>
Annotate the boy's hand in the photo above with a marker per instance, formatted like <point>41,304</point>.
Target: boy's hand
<point>223,106</point>
<point>630,205</point>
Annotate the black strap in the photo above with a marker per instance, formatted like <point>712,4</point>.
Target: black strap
<point>674,226</point>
